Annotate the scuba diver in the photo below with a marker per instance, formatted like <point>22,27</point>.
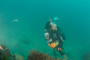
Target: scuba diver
<point>55,38</point>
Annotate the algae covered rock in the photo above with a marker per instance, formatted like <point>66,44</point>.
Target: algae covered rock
<point>18,57</point>
<point>36,55</point>
<point>5,53</point>
<point>58,59</point>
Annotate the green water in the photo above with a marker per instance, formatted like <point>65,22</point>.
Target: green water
<point>28,32</point>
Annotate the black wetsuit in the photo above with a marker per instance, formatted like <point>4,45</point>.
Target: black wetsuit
<point>55,35</point>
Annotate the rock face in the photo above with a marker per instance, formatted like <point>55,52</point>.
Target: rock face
<point>4,50</point>
<point>35,55</point>
<point>86,56</point>
<point>5,53</point>
<point>18,57</point>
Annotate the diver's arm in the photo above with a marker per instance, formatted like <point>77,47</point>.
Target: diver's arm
<point>47,37</point>
<point>61,38</point>
<point>61,34</point>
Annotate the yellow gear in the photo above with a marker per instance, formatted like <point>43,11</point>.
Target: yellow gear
<point>52,45</point>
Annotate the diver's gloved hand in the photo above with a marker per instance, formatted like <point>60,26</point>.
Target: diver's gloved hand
<point>49,41</point>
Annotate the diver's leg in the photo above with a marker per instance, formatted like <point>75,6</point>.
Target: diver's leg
<point>54,52</point>
<point>61,51</point>
<point>65,57</point>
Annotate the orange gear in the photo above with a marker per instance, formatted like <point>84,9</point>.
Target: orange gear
<point>52,45</point>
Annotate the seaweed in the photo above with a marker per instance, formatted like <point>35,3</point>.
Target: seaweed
<point>36,55</point>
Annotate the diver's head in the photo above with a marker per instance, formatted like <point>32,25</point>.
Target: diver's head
<point>51,26</point>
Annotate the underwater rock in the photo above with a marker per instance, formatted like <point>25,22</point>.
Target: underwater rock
<point>18,57</point>
<point>4,57</point>
<point>4,50</point>
<point>36,55</point>
<point>58,59</point>
<point>5,53</point>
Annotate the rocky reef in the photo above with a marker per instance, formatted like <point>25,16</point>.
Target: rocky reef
<point>33,55</point>
<point>36,55</point>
